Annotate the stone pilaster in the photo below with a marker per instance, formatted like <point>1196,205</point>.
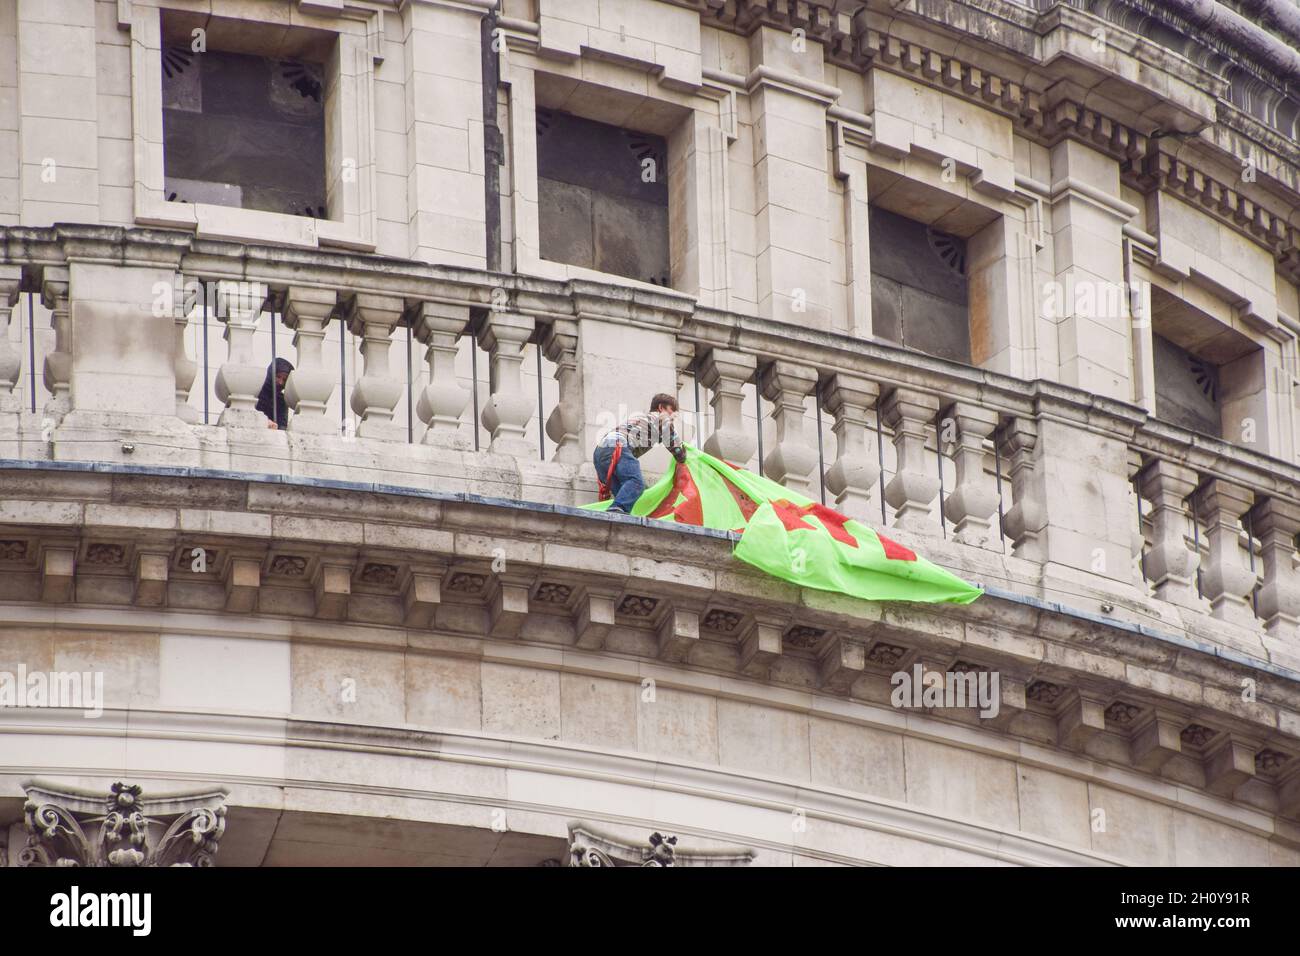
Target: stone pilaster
<point>793,459</point>
<point>507,410</point>
<point>306,311</point>
<point>910,414</point>
<point>443,400</point>
<point>1276,523</point>
<point>373,317</point>
<point>564,423</point>
<point>184,367</point>
<point>724,373</point>
<point>974,499</point>
<point>853,475</point>
<point>240,378</point>
<point>1169,564</point>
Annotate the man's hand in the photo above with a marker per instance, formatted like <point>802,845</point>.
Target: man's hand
<point>680,455</point>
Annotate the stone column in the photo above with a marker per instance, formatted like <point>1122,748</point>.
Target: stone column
<point>1024,522</point>
<point>974,499</point>
<point>443,400</point>
<point>506,413</point>
<point>186,369</point>
<point>1169,564</point>
<point>792,461</point>
<point>11,354</point>
<point>373,317</point>
<point>58,363</point>
<point>724,373</point>
<point>240,379</point>
<point>308,391</point>
<point>853,476</point>
<point>1226,582</point>
<point>1276,522</point>
<point>1087,238</point>
<point>910,415</point>
<point>564,424</point>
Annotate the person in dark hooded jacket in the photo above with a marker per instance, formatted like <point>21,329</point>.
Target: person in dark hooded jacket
<point>270,400</point>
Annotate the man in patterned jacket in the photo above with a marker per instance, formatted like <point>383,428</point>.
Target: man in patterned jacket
<point>617,468</point>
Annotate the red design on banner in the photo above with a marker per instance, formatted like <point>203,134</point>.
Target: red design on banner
<point>792,516</point>
<point>895,551</point>
<point>746,504</point>
<point>688,510</point>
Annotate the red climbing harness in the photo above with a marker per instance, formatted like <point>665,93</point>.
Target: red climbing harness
<point>609,475</point>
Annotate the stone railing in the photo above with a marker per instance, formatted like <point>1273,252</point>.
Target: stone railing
<point>1051,491</point>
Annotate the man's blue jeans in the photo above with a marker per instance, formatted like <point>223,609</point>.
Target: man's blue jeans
<point>626,484</point>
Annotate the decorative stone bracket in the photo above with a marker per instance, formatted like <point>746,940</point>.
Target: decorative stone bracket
<point>588,848</point>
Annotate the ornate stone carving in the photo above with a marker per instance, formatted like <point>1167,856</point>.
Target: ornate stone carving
<point>723,622</point>
<point>588,848</point>
<point>462,582</point>
<point>804,637</point>
<point>1044,692</point>
<point>1267,760</point>
<point>179,830</point>
<point>634,606</point>
<point>1197,735</point>
<point>288,566</point>
<point>384,575</point>
<point>13,550</point>
<point>1122,713</point>
<point>886,655</point>
<point>107,555</point>
<point>548,593</point>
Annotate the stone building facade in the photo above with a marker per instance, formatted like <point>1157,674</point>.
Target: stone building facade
<point>1017,281</point>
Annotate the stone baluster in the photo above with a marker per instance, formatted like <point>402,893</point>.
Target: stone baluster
<point>724,373</point>
<point>1170,565</point>
<point>793,459</point>
<point>1226,582</point>
<point>684,358</point>
<point>507,410</point>
<point>852,477</point>
<point>373,317</point>
<point>184,367</point>
<point>1275,523</point>
<point>1138,541</point>
<point>974,499</point>
<point>58,363</point>
<point>915,484</point>
<point>306,311</point>
<point>1025,520</point>
<point>444,399</point>
<point>564,424</point>
<point>240,379</point>
<point>11,354</point>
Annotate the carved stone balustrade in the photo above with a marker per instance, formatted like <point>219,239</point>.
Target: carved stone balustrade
<point>240,378</point>
<point>1226,582</point>
<point>853,475</point>
<point>443,401</point>
<point>310,385</point>
<point>373,318</point>
<point>910,414</point>
<point>1170,565</point>
<point>793,459</point>
<point>1276,522</point>
<point>975,498</point>
<point>724,372</point>
<point>506,413</point>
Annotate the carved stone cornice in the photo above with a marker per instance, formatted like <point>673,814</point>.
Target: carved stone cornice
<point>589,848</point>
<point>78,828</point>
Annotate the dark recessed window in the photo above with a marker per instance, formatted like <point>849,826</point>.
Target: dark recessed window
<point>603,197</point>
<point>918,286</point>
<point>245,131</point>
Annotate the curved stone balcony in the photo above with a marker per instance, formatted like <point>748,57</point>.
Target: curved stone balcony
<point>394,624</point>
